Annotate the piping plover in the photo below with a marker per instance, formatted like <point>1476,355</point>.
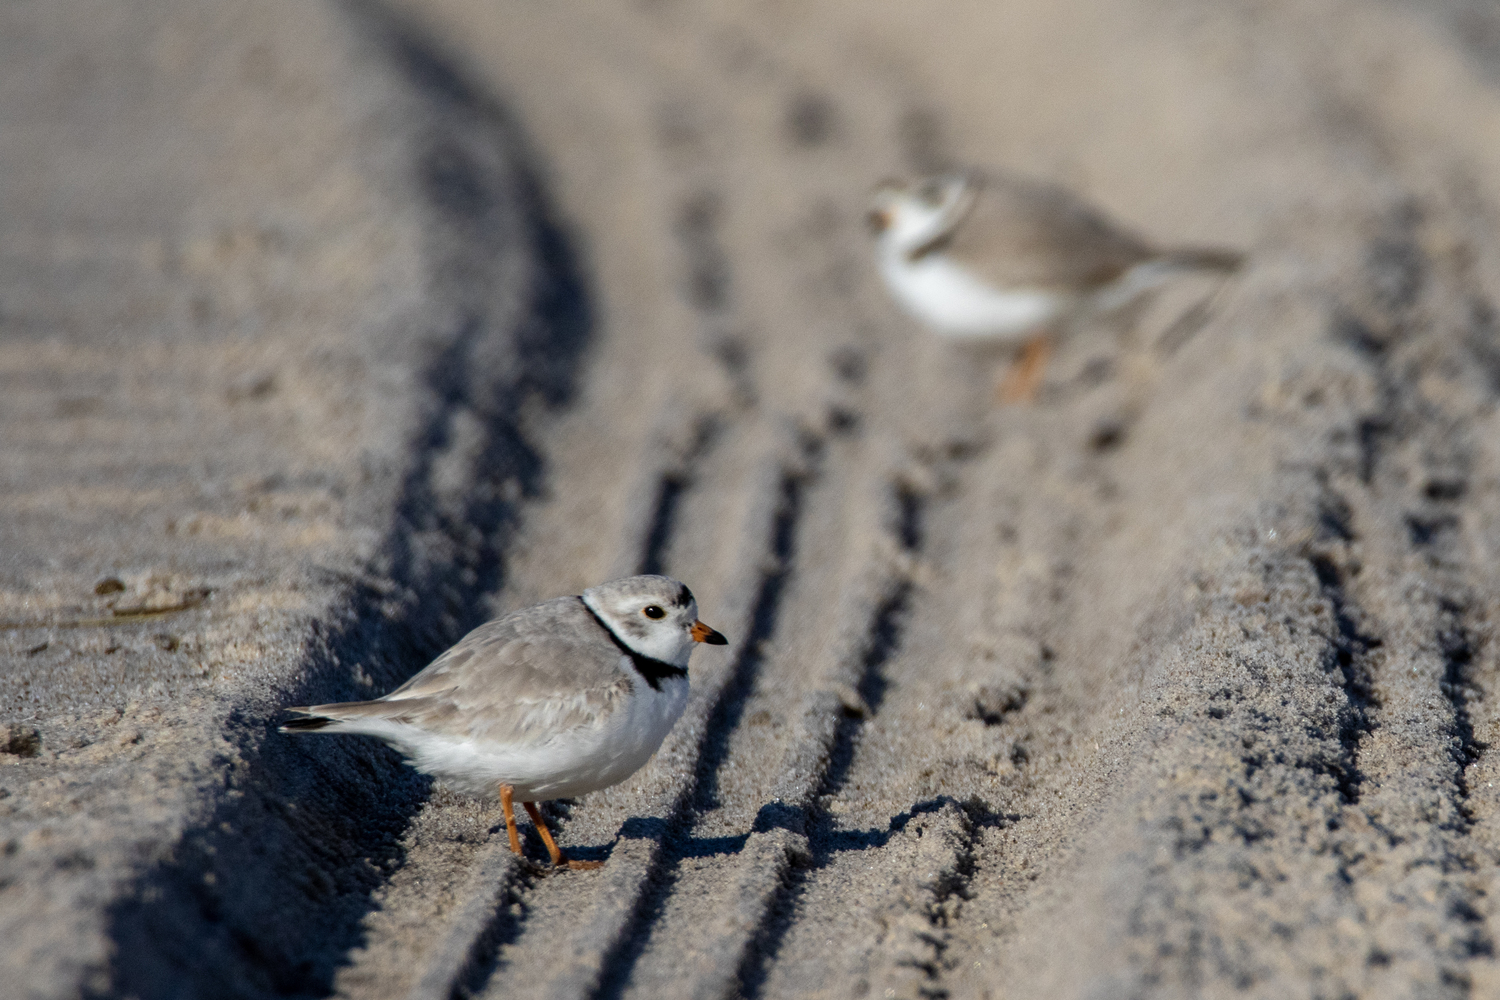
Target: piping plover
<point>567,697</point>
<point>1005,259</point>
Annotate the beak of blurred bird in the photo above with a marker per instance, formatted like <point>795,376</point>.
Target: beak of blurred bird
<point>702,633</point>
<point>879,220</point>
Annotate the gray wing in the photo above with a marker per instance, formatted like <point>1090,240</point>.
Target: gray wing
<point>517,679</point>
<point>1022,232</point>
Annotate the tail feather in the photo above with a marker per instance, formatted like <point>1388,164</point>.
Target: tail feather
<point>309,724</point>
<point>1204,259</point>
<point>321,716</point>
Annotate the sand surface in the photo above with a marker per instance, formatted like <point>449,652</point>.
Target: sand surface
<point>330,330</point>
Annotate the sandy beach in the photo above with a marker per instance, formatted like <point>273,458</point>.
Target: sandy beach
<point>329,331</point>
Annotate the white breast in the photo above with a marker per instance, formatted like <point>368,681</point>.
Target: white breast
<point>953,302</point>
<point>580,760</point>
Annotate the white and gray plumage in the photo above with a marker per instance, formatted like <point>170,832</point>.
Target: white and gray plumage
<point>1004,259</point>
<point>556,700</point>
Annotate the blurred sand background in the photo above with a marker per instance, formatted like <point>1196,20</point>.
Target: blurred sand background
<point>329,330</point>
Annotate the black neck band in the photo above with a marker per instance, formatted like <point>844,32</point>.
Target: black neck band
<point>652,669</point>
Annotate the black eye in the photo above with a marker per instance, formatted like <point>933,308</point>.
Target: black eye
<point>653,611</point>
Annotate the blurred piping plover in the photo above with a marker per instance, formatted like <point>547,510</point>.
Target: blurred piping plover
<point>564,698</point>
<point>1004,259</point>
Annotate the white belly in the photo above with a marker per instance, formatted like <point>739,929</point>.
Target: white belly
<point>581,760</point>
<point>953,302</point>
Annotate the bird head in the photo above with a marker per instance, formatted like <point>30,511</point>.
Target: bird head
<point>655,616</point>
<point>905,215</point>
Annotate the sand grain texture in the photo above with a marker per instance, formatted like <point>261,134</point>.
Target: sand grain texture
<point>327,331</point>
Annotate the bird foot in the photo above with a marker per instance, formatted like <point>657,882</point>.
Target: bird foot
<point>540,869</point>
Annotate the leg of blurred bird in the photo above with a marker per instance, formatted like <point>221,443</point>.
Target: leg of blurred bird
<point>1024,378</point>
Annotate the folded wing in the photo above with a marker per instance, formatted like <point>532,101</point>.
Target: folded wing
<point>515,680</point>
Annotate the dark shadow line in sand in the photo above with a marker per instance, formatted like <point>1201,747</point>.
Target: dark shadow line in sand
<point>676,481</point>
<point>508,921</point>
<point>780,816</point>
<point>702,794</point>
<point>655,828</point>
<point>1474,25</point>
<point>1457,645</point>
<point>882,640</point>
<point>484,957</point>
<point>266,897</point>
<point>1348,652</point>
<point>826,843</point>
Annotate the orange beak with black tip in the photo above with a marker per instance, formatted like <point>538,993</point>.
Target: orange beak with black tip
<point>702,633</point>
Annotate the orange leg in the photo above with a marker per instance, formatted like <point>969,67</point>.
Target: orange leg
<point>557,855</point>
<point>1025,376</point>
<point>506,791</point>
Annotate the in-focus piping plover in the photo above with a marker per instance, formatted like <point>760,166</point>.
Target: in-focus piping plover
<point>567,697</point>
<point>1006,259</point>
